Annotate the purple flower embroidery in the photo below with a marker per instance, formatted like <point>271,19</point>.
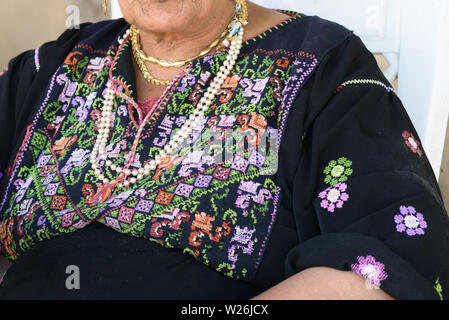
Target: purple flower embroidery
<point>370,269</point>
<point>410,221</point>
<point>334,197</point>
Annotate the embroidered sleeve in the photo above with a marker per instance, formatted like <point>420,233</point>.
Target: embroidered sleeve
<point>365,196</point>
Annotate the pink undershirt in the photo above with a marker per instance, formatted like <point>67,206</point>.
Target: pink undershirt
<point>147,105</point>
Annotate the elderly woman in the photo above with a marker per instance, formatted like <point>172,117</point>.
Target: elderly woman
<point>214,149</point>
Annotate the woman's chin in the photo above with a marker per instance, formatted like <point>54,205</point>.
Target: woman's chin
<point>165,16</point>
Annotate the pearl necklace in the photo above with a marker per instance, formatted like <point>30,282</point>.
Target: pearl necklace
<point>106,124</point>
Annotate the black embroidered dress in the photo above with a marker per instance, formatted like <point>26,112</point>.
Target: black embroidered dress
<point>349,186</point>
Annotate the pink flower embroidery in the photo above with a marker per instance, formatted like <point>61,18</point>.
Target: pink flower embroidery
<point>370,269</point>
<point>410,221</point>
<point>334,197</point>
<point>412,143</point>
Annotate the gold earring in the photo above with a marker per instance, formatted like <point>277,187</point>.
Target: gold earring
<point>104,5</point>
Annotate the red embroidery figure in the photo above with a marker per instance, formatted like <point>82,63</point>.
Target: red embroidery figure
<point>60,147</point>
<point>202,226</point>
<point>283,62</point>
<point>172,220</point>
<point>88,192</point>
<point>254,127</point>
<point>71,60</point>
<point>167,164</point>
<point>412,143</point>
<point>231,82</point>
<point>6,228</point>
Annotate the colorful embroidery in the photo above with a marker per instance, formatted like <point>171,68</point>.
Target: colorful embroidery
<point>334,197</point>
<point>370,269</point>
<point>338,171</point>
<point>364,82</point>
<point>410,221</point>
<point>37,63</point>
<point>439,288</point>
<point>6,229</point>
<point>412,143</point>
<point>219,210</point>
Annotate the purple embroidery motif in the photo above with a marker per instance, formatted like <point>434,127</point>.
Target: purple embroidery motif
<point>202,181</point>
<point>188,80</point>
<point>80,224</point>
<point>243,237</point>
<point>410,221</point>
<point>43,160</point>
<point>37,63</point>
<point>334,197</point>
<point>370,269</point>
<point>52,189</point>
<point>112,222</point>
<point>49,179</point>
<point>256,159</point>
<point>240,164</point>
<point>144,205</point>
<point>183,190</point>
<point>41,222</point>
<point>254,89</point>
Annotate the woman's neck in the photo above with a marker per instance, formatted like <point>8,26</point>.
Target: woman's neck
<point>177,41</point>
<point>171,46</point>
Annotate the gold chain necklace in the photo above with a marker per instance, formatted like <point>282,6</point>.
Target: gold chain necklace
<point>141,63</point>
<point>241,16</point>
<point>179,63</point>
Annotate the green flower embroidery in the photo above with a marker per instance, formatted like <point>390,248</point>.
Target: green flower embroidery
<point>338,171</point>
<point>439,288</point>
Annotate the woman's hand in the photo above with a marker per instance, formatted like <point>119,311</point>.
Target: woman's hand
<point>323,283</point>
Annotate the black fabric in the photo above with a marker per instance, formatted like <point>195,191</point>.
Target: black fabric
<point>113,265</point>
<point>362,122</point>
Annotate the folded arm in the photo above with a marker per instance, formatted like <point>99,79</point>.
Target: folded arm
<point>323,283</point>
